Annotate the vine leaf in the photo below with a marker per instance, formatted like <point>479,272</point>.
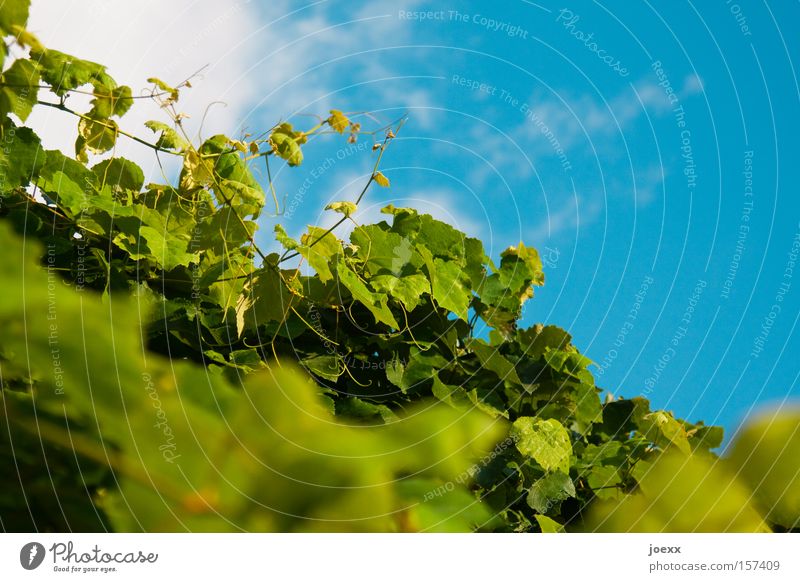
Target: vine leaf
<point>282,237</point>
<point>95,136</point>
<point>550,490</point>
<point>119,172</point>
<point>173,92</point>
<point>380,179</point>
<point>374,302</point>
<point>286,142</point>
<point>765,454</point>
<point>22,162</point>
<point>545,441</point>
<point>20,90</point>
<point>117,101</point>
<point>168,138</point>
<point>64,72</point>
<point>346,208</point>
<point>338,121</point>
<point>14,14</point>
<point>266,298</point>
<point>323,252</point>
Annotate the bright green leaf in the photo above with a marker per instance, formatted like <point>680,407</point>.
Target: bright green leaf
<point>20,88</point>
<point>380,179</point>
<point>545,441</point>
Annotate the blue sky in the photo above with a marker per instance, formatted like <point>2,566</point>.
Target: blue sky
<point>647,149</point>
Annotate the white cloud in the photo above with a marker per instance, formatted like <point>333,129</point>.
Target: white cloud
<point>572,214</point>
<point>136,40</point>
<point>692,85</point>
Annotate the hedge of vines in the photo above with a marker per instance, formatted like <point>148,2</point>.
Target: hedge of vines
<point>162,372</point>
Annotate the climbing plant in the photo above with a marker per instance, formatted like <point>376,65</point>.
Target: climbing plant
<point>161,371</point>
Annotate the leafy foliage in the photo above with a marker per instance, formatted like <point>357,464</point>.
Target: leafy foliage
<point>174,376</point>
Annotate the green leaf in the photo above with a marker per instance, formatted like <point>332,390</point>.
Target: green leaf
<point>14,14</point>
<point>20,88</point>
<point>703,437</point>
<point>488,401</point>
<point>197,172</point>
<point>538,339</point>
<point>222,232</point>
<point>374,302</point>
<point>661,428</point>
<point>587,408</point>
<point>120,173</point>
<point>285,142</point>
<point>353,408</point>
<point>170,251</point>
<point>266,299</point>
<point>449,285</point>
<point>545,441</point>
<point>95,135</point>
<point>322,254</point>
<point>383,251</point>
<point>246,200</point>
<point>435,506</point>
<point>338,121</point>
<point>231,180</point>
<point>344,207</point>
<point>410,290</point>
<point>529,257</point>
<point>164,88</point>
<point>68,181</point>
<point>570,363</point>
<point>116,101</point>
<point>491,359</point>
<point>65,72</point>
<point>549,491</point>
<point>169,139</point>
<point>454,396</point>
<point>548,525</point>
<point>325,366</point>
<point>766,455</point>
<point>286,241</point>
<point>380,179</point>
<point>420,368</point>
<point>681,494</point>
<point>20,159</point>
<point>604,481</point>
<point>247,360</point>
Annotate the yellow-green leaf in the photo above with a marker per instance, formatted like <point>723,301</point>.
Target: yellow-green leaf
<point>381,180</point>
<point>344,207</point>
<point>338,121</point>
